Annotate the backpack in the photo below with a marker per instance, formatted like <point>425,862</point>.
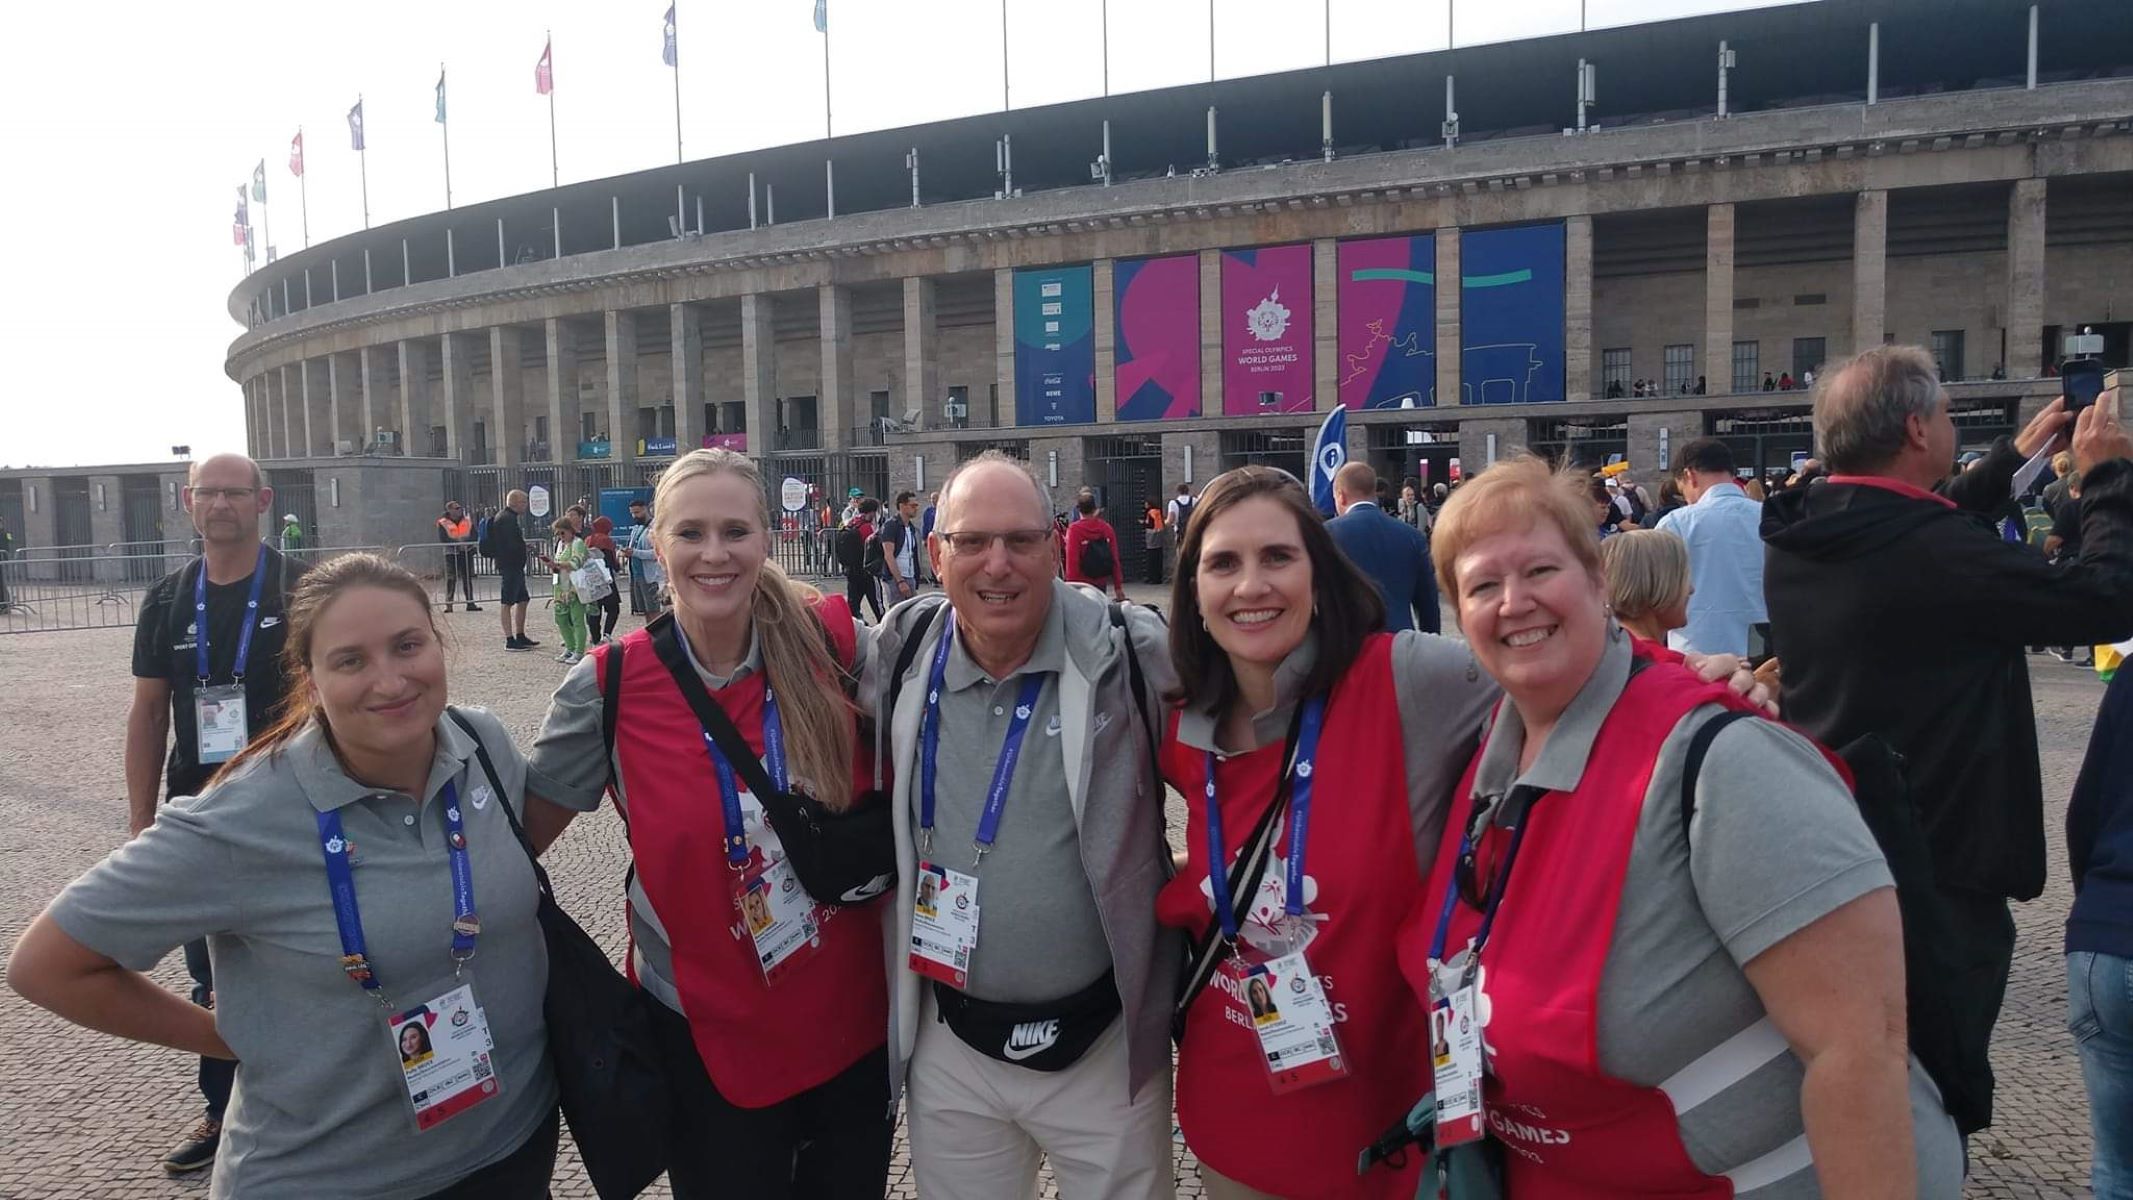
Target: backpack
<point>1097,561</point>
<point>851,547</point>
<point>483,543</point>
<point>1933,979</point>
<point>875,551</point>
<point>1185,505</point>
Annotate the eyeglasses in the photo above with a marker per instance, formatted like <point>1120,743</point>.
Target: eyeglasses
<point>1022,543</point>
<point>233,495</point>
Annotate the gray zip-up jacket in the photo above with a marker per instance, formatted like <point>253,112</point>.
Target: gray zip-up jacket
<point>1118,807</point>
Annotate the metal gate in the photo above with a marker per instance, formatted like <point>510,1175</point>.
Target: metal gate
<point>1126,472</point>
<point>11,512</point>
<point>1588,442</point>
<point>141,524</point>
<point>1763,441</point>
<point>70,510</point>
<point>1283,448</point>
<point>295,491</point>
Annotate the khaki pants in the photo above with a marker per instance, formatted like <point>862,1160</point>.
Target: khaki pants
<point>978,1124</point>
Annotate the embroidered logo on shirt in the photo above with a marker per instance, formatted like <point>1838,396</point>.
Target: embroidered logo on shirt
<point>269,622</point>
<point>1031,1037</point>
<point>482,796</point>
<point>1051,727</point>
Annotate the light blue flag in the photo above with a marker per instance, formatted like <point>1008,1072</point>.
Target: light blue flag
<point>1330,454</point>
<point>667,52</point>
<point>822,16</point>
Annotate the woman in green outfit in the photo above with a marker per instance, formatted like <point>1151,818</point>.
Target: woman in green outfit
<point>570,554</point>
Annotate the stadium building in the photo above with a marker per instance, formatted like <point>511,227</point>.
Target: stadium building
<point>1597,244</point>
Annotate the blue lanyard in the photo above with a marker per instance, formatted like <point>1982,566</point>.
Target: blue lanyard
<point>1494,899</point>
<point>1003,773</point>
<point>251,618</point>
<point>729,793</point>
<point>1300,777</point>
<point>340,881</point>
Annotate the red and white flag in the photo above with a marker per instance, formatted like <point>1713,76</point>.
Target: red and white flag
<point>296,154</point>
<point>544,70</point>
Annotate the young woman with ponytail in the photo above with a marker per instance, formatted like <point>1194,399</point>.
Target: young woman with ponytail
<point>772,1008</point>
<point>365,810</point>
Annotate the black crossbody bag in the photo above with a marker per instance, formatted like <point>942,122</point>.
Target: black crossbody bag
<point>607,1065</point>
<point>844,857</point>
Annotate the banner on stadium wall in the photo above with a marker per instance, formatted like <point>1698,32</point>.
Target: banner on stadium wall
<point>1055,346</point>
<point>1155,324</point>
<point>1511,315</point>
<point>1266,330</point>
<point>1388,322</point>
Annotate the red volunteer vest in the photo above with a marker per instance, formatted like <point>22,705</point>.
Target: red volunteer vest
<point>1360,878</point>
<point>760,1044</point>
<point>1572,1132</point>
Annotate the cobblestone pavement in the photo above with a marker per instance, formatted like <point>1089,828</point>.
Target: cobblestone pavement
<point>87,1116</point>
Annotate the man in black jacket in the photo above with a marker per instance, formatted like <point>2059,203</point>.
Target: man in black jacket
<point>507,545</point>
<point>1896,609</point>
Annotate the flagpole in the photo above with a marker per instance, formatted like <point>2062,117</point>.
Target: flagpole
<point>446,126</point>
<point>303,193</point>
<point>828,127</point>
<point>677,83</point>
<point>555,178</point>
<point>1006,72</point>
<point>266,217</point>
<point>1107,46</point>
<point>363,162</point>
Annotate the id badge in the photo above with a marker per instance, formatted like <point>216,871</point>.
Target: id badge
<point>1287,1008</point>
<point>780,918</point>
<point>1456,1065</point>
<point>444,1050</point>
<point>218,716</point>
<point>944,924</point>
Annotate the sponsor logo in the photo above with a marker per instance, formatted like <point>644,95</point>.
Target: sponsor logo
<point>866,891</point>
<point>1030,1038</point>
<point>1051,727</point>
<point>482,796</point>
<point>269,622</point>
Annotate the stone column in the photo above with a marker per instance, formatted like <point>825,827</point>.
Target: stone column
<point>1448,296</point>
<point>563,407</point>
<point>507,393</point>
<point>834,409</point>
<point>107,525</point>
<point>1718,298</point>
<point>687,328</point>
<point>622,385</point>
<point>292,436</point>
<point>318,429</point>
<point>1212,401</point>
<point>375,414</point>
<point>415,410</point>
<point>250,390</point>
<point>1325,328</point>
<point>1870,276</point>
<point>458,397</point>
<point>40,523</point>
<point>922,372</point>
<point>1577,307</point>
<point>2025,279</point>
<point>759,372</point>
<point>269,427</point>
<point>1003,328</point>
<point>1104,329</point>
<point>339,414</point>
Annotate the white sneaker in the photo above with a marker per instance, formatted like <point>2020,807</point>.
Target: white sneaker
<point>563,657</point>
<point>572,658</point>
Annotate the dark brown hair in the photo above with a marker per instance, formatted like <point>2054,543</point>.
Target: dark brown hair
<point>307,602</point>
<point>1346,606</point>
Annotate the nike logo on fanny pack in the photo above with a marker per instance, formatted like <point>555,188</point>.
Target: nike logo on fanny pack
<point>866,891</point>
<point>1030,1038</point>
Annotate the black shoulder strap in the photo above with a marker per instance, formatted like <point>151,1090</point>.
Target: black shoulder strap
<point>1155,734</point>
<point>1692,765</point>
<point>488,768</point>
<point>905,656</point>
<point>667,644</point>
<point>610,699</point>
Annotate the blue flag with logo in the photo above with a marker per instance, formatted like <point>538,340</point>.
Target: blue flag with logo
<point>1328,455</point>
<point>666,52</point>
<point>355,126</point>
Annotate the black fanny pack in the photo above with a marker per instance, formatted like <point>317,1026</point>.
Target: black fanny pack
<point>1050,1036</point>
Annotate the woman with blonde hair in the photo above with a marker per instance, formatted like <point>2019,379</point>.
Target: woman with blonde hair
<point>324,864</point>
<point>772,1007</point>
<point>1686,989</point>
<point>1648,582</point>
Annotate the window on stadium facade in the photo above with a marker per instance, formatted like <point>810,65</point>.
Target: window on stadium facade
<point>1807,355</point>
<point>1948,352</point>
<point>1680,368</point>
<point>1614,372</point>
<point>1746,366</point>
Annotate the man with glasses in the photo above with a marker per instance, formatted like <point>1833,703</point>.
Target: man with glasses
<point>207,666</point>
<point>1026,794</point>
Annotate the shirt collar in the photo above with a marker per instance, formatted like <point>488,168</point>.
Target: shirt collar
<point>1362,504</point>
<point>751,662</point>
<point>328,786</point>
<point>1561,764</point>
<point>1197,725</point>
<point>962,671</point>
<point>1888,484</point>
<point>1722,489</point>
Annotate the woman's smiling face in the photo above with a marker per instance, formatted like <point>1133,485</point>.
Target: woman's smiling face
<point>1254,581</point>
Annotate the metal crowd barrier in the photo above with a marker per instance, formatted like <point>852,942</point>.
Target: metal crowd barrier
<point>53,588</point>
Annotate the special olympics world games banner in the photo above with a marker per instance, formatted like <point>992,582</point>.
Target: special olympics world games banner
<point>1511,315</point>
<point>1156,326</point>
<point>1055,346</point>
<point>1266,330</point>
<point>1388,322</point>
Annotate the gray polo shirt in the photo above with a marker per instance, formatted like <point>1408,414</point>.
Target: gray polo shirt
<point>1777,843</point>
<point>320,1109</point>
<point>1039,934</point>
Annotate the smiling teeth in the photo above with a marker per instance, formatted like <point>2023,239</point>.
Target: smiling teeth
<point>1528,637</point>
<point>1255,617</point>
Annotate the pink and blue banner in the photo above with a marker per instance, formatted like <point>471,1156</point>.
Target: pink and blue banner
<point>1155,324</point>
<point>1266,330</point>
<point>1511,315</point>
<point>1388,322</point>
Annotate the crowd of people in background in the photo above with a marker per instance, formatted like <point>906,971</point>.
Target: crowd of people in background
<point>1810,939</point>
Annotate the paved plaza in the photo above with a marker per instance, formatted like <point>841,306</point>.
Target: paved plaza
<point>87,1116</point>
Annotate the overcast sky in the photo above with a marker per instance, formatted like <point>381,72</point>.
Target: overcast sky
<point>127,128</point>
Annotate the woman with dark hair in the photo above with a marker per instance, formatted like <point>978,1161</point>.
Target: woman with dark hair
<point>1294,714</point>
<point>316,963</point>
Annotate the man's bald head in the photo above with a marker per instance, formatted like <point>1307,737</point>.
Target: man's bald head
<point>1353,483</point>
<point>226,494</point>
<point>221,466</point>
<point>988,465</point>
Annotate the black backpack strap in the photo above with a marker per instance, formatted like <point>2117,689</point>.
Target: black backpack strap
<point>488,768</point>
<point>905,656</point>
<point>666,643</point>
<point>610,700</point>
<point>1692,765</point>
